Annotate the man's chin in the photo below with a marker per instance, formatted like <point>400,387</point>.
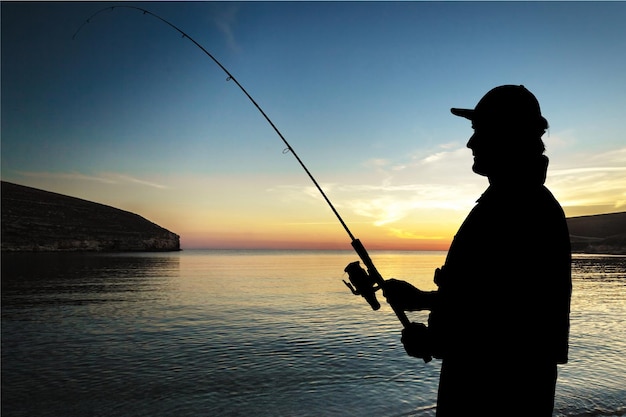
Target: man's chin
<point>479,170</point>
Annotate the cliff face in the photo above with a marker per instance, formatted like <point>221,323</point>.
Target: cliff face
<point>602,233</point>
<point>37,220</point>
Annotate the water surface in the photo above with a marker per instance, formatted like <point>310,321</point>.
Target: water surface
<point>265,333</point>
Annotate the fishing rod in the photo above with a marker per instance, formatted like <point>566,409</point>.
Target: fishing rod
<point>363,283</point>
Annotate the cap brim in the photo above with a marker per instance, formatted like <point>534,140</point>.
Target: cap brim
<point>467,113</point>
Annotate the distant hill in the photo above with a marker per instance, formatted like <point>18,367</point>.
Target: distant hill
<point>37,220</point>
<point>602,233</point>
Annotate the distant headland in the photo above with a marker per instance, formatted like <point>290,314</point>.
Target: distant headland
<point>34,220</point>
<point>601,233</point>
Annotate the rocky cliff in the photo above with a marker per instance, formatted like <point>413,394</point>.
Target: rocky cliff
<point>37,220</point>
<point>602,233</point>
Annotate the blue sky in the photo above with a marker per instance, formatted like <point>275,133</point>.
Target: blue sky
<point>132,115</point>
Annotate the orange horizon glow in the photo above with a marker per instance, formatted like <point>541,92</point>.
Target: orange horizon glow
<point>244,241</point>
<point>303,245</point>
<point>331,236</point>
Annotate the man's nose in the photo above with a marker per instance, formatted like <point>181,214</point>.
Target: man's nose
<point>472,141</point>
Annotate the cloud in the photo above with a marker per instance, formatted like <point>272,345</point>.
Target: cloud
<point>68,176</point>
<point>594,181</point>
<point>224,18</point>
<point>613,161</point>
<point>104,178</point>
<point>127,179</point>
<point>391,207</point>
<point>385,204</point>
<point>576,171</point>
<point>425,184</point>
<point>403,234</point>
<point>389,191</point>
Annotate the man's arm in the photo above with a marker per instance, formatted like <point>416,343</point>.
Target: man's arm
<point>404,296</point>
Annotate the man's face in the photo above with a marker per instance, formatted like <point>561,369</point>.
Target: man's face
<point>484,144</point>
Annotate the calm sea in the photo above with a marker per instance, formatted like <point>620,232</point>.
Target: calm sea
<point>255,333</point>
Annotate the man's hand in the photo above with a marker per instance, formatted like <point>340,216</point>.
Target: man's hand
<point>416,341</point>
<point>404,296</point>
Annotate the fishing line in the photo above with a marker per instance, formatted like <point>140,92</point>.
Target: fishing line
<point>230,77</point>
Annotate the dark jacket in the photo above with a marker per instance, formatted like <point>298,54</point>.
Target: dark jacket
<point>505,287</point>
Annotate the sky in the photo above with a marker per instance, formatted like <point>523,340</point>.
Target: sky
<point>131,114</point>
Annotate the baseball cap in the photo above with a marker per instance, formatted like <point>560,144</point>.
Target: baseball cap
<point>506,104</point>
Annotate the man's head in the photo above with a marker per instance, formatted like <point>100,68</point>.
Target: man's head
<point>508,126</point>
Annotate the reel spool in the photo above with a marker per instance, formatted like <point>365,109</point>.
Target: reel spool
<point>362,284</point>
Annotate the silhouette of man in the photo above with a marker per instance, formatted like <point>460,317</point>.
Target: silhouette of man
<point>500,317</point>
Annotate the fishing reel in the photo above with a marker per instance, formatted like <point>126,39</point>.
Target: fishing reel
<point>362,284</point>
